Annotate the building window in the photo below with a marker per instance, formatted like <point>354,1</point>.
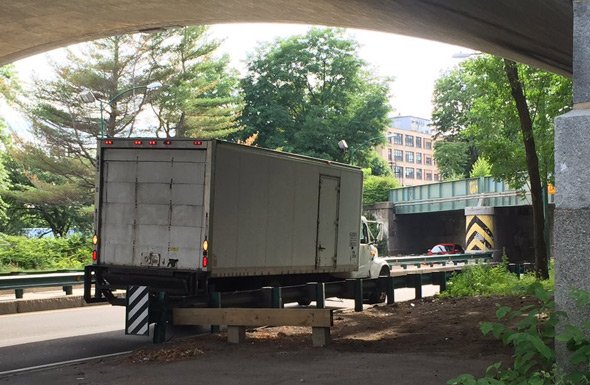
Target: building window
<point>418,142</point>
<point>398,155</point>
<point>410,172</point>
<point>409,157</point>
<point>419,173</point>
<point>428,176</point>
<point>398,139</point>
<point>428,161</point>
<point>398,172</point>
<point>427,144</point>
<point>389,154</point>
<point>410,140</point>
<point>418,157</point>
<point>436,177</point>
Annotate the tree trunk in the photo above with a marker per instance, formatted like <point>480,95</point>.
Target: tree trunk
<point>532,161</point>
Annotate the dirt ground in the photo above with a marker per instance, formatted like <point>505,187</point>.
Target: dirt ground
<point>423,342</point>
<point>430,325</point>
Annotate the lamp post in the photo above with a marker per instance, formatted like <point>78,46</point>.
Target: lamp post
<point>88,97</point>
<point>344,147</point>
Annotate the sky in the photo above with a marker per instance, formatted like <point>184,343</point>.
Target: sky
<point>413,63</point>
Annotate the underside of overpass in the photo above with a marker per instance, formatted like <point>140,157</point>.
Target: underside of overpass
<point>408,234</point>
<point>550,34</point>
<point>536,32</point>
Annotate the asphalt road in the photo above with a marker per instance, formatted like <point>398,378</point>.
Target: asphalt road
<point>34,339</point>
<point>31,340</point>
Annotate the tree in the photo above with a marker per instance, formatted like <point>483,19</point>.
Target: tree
<point>59,170</point>
<point>500,106</point>
<point>8,87</point>
<point>39,197</point>
<point>481,168</point>
<point>305,93</point>
<point>376,188</point>
<point>200,98</point>
<point>105,69</point>
<point>452,158</point>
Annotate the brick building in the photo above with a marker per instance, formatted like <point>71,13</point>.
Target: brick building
<point>409,151</point>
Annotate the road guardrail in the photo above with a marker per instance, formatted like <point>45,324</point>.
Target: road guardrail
<point>431,260</point>
<point>19,282</point>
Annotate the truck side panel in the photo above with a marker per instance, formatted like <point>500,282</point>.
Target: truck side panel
<point>265,213</point>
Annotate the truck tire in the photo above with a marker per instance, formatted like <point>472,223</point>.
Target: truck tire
<point>379,296</point>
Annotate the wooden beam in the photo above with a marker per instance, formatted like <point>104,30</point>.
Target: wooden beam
<point>253,317</point>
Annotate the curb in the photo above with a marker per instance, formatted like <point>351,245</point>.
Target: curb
<point>43,304</point>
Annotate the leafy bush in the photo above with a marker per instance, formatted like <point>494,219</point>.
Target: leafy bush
<point>533,338</point>
<point>490,280</point>
<point>21,253</point>
<point>376,188</point>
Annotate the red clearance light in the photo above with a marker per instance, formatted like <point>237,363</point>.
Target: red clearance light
<point>137,142</point>
<point>108,141</point>
<point>94,255</point>
<point>205,261</point>
<point>167,142</point>
<point>153,142</point>
<point>198,142</point>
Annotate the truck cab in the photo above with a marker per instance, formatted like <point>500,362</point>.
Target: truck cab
<point>370,264</point>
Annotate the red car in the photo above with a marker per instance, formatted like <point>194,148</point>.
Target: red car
<point>446,248</point>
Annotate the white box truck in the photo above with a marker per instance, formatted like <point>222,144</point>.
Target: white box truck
<point>189,216</point>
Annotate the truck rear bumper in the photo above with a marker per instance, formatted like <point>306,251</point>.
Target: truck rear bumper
<point>100,281</point>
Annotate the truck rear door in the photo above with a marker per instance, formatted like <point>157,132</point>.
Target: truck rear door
<point>152,207</point>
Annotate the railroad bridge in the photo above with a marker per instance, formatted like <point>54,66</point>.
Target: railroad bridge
<point>479,213</point>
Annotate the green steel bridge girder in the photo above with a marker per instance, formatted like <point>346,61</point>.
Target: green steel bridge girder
<point>457,195</point>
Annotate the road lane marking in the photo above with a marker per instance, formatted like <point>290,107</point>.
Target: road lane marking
<point>62,363</point>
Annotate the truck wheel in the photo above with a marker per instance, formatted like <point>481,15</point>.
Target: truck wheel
<point>379,296</point>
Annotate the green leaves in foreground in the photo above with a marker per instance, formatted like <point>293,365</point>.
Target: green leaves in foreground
<point>531,332</point>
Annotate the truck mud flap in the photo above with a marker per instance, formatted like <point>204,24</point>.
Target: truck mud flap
<point>137,310</point>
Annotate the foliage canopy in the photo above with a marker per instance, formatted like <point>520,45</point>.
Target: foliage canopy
<point>305,93</point>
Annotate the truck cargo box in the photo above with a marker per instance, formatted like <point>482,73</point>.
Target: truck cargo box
<point>224,209</point>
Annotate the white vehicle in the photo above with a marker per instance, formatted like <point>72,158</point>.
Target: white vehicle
<point>190,216</point>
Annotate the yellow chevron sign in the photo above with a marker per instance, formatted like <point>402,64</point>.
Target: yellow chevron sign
<point>479,232</point>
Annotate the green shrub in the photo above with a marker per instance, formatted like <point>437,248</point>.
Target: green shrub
<point>531,332</point>
<point>20,253</point>
<point>490,280</point>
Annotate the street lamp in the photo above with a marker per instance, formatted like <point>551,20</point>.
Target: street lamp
<point>88,97</point>
<point>344,147</point>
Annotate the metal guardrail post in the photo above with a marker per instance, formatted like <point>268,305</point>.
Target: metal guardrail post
<point>320,295</point>
<point>160,317</point>
<point>358,295</point>
<point>417,281</point>
<point>441,279</point>
<point>18,293</point>
<point>277,297</point>
<point>68,290</point>
<point>215,301</point>
<point>390,290</point>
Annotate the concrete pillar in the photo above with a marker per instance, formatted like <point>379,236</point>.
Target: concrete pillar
<point>572,177</point>
<point>479,228</point>
<point>383,212</point>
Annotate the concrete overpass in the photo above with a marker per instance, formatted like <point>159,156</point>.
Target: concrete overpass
<point>537,32</point>
<point>551,34</point>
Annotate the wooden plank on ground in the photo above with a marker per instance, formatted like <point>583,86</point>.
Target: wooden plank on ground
<point>253,317</point>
